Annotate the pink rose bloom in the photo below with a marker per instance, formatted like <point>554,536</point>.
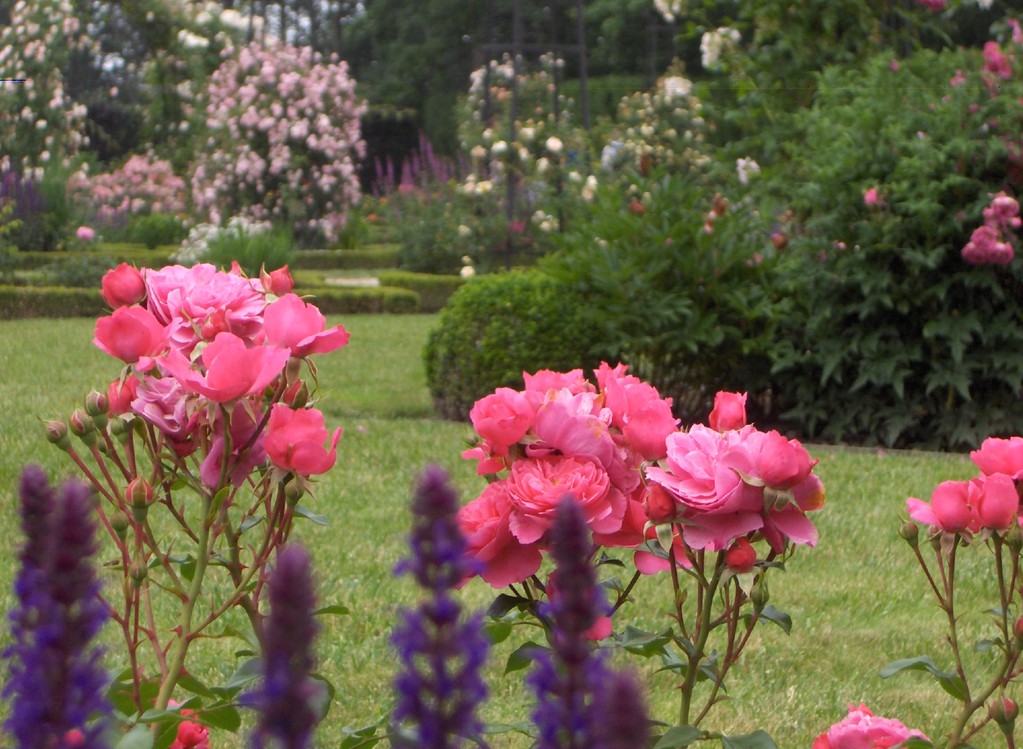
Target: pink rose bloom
<point>535,487</point>
<point>781,463</point>
<point>545,380</point>
<point>987,248</point>
<point>637,409</point>
<point>861,729</point>
<point>484,522</point>
<point>729,412</point>
<point>1003,213</point>
<point>232,369</point>
<point>122,286</point>
<point>502,418</point>
<point>295,440</point>
<point>871,197</point>
<point>984,502</point>
<point>85,234</point>
<point>291,323</point>
<point>998,455</point>
<point>704,473</point>
<point>162,402</point>
<point>191,735</point>
<point>935,6</point>
<point>198,303</point>
<point>243,422</point>
<point>996,62</point>
<point>277,282</point>
<point>130,334</point>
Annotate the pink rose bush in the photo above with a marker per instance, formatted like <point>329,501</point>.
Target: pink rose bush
<point>861,729</point>
<point>283,140</point>
<point>141,185</point>
<point>209,421</point>
<point>994,242</point>
<point>718,506</point>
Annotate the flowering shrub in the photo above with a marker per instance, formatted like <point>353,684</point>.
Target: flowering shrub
<point>142,185</point>
<point>909,295</point>
<point>207,429</point>
<point>283,138</point>
<point>40,126</point>
<point>862,728</point>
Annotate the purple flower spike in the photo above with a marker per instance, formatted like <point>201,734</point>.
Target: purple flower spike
<point>56,688</point>
<point>288,697</point>
<point>439,685</point>
<point>623,722</point>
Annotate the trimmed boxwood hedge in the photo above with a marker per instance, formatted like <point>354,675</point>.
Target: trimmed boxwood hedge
<point>368,257</point>
<point>136,255</point>
<point>433,290</point>
<point>347,301</point>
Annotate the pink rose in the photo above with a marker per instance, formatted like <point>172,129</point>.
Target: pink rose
<point>996,62</point>
<point>162,402</point>
<point>293,324</point>
<point>243,458</point>
<point>998,455</point>
<point>871,197</point>
<point>535,487</point>
<point>782,463</point>
<point>861,729</point>
<point>956,506</point>
<point>277,282</point>
<point>546,379</point>
<point>502,418</point>
<point>637,409</point>
<point>129,334</point>
<point>232,369</point>
<point>484,522</point>
<point>741,556</point>
<point>123,285</point>
<point>85,234</point>
<point>120,394</point>
<point>295,440</point>
<point>191,735</point>
<point>729,412</point>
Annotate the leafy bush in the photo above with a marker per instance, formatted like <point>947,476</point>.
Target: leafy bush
<point>33,301</point>
<point>341,301</point>
<point>270,249</point>
<point>367,257</point>
<point>891,314</point>
<point>677,288</point>
<point>157,229</point>
<point>494,328</point>
<point>78,271</point>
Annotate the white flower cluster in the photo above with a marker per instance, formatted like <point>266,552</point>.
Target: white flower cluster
<point>716,45</point>
<point>745,168</point>
<point>670,10</point>
<point>196,245</point>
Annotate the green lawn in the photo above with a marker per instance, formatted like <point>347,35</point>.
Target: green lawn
<point>857,600</point>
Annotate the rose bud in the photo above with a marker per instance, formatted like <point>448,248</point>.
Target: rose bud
<point>780,240</point>
<point>741,557</point>
<point>910,533</point>
<point>277,282</point>
<point>83,427</point>
<point>123,286</point>
<point>659,505</point>
<point>56,432</point>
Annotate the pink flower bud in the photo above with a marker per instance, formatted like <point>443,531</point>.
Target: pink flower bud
<point>139,493</point>
<point>729,412</point>
<point>123,286</point>
<point>741,557</point>
<point>277,282</point>
<point>659,505</point>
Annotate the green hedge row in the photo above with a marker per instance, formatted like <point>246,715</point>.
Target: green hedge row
<point>31,301</point>
<point>433,290</point>
<point>368,257</point>
<point>119,253</point>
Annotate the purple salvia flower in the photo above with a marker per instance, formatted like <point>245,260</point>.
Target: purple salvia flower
<point>56,687</point>
<point>287,699</point>
<point>439,685</point>
<point>620,716</point>
<point>564,679</point>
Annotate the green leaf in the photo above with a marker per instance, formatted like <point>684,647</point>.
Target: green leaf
<point>949,680</point>
<point>677,736</point>
<point>915,743</point>
<point>360,738</point>
<point>193,685</point>
<point>224,716</point>
<point>522,656</point>
<point>497,631</point>
<point>506,603</point>
<point>605,559</point>
<point>139,737</point>
<point>218,500</point>
<point>646,644</point>
<point>755,740</point>
<point>337,610</point>
<point>244,675</point>
<point>783,620</point>
<point>250,522</point>
<point>301,511</point>
<point>665,535</point>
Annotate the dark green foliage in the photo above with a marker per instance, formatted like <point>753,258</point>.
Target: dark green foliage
<point>495,328</point>
<point>21,301</point>
<point>367,257</point>
<point>927,347</point>
<point>157,229</point>
<point>271,249</point>
<point>114,253</point>
<point>434,291</point>
<point>356,301</point>
<point>77,271</point>
<point>691,312</point>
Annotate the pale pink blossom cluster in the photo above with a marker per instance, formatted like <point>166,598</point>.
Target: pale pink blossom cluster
<point>40,125</point>
<point>203,349</point>
<point>861,729</point>
<point>992,243</point>
<point>988,502</point>
<point>561,434</point>
<point>997,62</point>
<point>617,448</point>
<point>142,185</point>
<point>284,137</point>
<point>935,6</point>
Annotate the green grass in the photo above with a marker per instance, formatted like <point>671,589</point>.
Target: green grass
<point>857,601</point>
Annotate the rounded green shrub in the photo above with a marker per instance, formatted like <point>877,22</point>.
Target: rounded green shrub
<point>495,328</point>
<point>156,229</point>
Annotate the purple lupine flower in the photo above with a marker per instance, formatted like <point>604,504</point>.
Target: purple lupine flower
<point>565,678</point>
<point>286,700</point>
<point>439,685</point>
<point>56,688</point>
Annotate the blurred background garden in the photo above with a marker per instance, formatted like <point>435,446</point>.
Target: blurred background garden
<point>814,203</point>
